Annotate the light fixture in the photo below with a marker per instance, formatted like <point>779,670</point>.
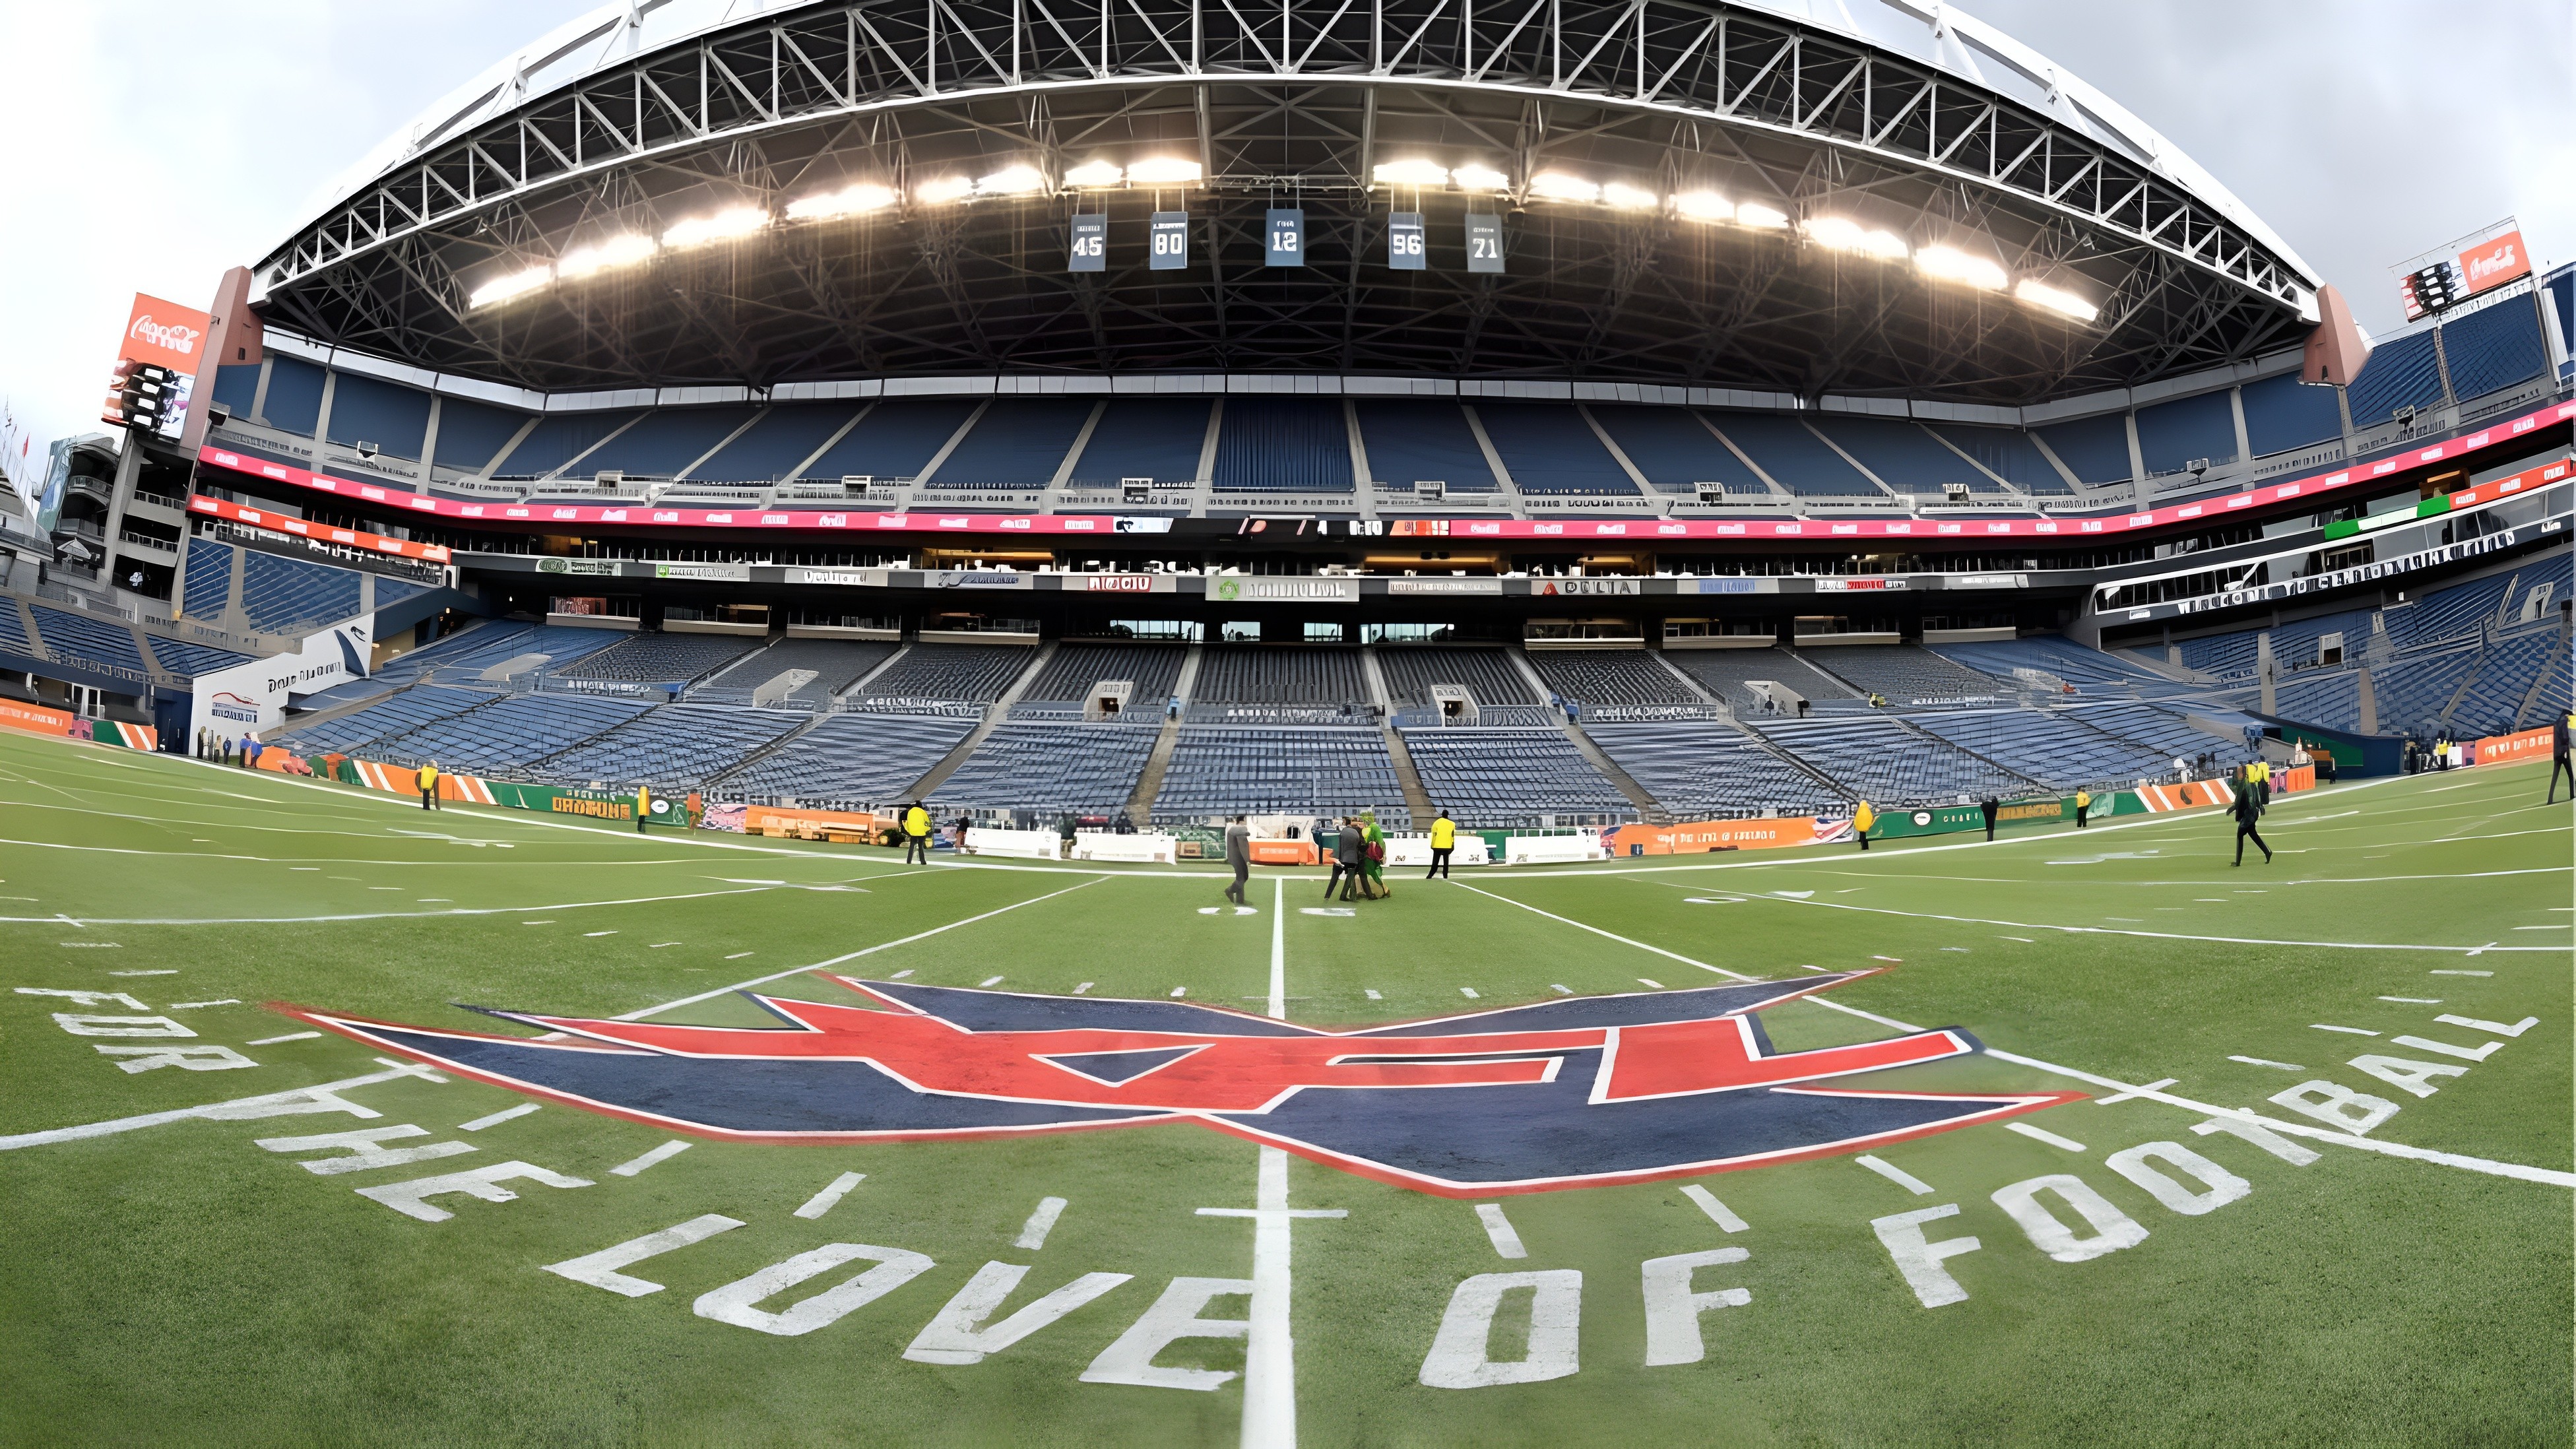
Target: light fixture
<point>732,222</point>
<point>516,284</point>
<point>1559,186</point>
<point>852,200</point>
<point>1628,198</point>
<point>1842,234</point>
<point>940,190</point>
<point>1411,173</point>
<point>617,251</point>
<point>1480,178</point>
<point>1762,218</point>
<point>1703,206</point>
<point>1164,171</point>
<point>1949,264</point>
<point>1093,175</point>
<point>1011,181</point>
<point>2056,299</point>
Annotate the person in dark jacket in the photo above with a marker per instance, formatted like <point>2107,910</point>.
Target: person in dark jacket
<point>2247,810</point>
<point>1238,854</point>
<point>1350,859</point>
<point>1991,807</point>
<point>2559,763</point>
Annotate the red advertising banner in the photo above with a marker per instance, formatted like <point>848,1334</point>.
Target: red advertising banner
<point>870,521</point>
<point>2495,488</point>
<point>301,528</point>
<point>165,334</point>
<point>2494,262</point>
<point>1706,835</point>
<point>2506,749</point>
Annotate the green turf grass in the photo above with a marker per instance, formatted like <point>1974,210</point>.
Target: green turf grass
<point>178,1282</point>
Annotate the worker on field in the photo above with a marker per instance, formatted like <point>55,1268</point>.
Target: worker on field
<point>427,778</point>
<point>2558,757</point>
<point>1238,854</point>
<point>1990,807</point>
<point>2248,809</point>
<point>1444,839</point>
<point>643,806</point>
<point>916,834</point>
<point>1065,829</point>
<point>1350,851</point>
<point>1862,819</point>
<point>2083,804</point>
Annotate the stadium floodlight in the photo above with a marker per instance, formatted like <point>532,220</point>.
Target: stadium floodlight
<point>1761,218</point>
<point>1562,186</point>
<point>1629,198</point>
<point>1842,234</point>
<point>1703,206</point>
<point>1165,171</point>
<point>855,200</point>
<point>1472,177</point>
<point>1093,176</point>
<point>623,250</point>
<point>1011,181</point>
<point>2056,299</point>
<point>1949,264</point>
<point>1411,173</point>
<point>503,289</point>
<point>940,190</point>
<point>725,225</point>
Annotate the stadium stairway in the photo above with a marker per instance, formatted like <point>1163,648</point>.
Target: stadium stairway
<point>1408,777</point>
<point>998,711</point>
<point>1649,809</point>
<point>1149,781</point>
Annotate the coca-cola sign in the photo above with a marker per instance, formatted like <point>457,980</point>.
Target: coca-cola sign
<point>165,334</point>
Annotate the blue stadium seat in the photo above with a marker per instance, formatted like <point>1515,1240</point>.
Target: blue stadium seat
<point>1795,458</point>
<point>1489,778</point>
<point>1417,440</point>
<point>1275,770</point>
<point>667,441</point>
<point>1700,770</point>
<point>470,433</point>
<point>1146,437</point>
<point>13,630</point>
<point>1609,676</point>
<point>673,748</point>
<point>2172,435</point>
<point>836,664</point>
<point>1314,675</point>
<point>2283,413</point>
<point>1283,444</point>
<point>1017,443</point>
<point>1410,671</point>
<point>557,441</point>
<point>2058,750</point>
<point>658,658</point>
<point>77,639</point>
<point>187,657</point>
<point>294,403</point>
<point>1903,455</point>
<point>771,449</point>
<point>511,733</point>
<point>1155,670</point>
<point>896,439</point>
<point>1904,673</point>
<point>1548,448</point>
<point>2008,453</point>
<point>847,762</point>
<point>1674,449</point>
<point>365,409</point>
<point>978,673</point>
<point>2095,449</point>
<point>408,710</point>
<point>209,579</point>
<point>283,595</point>
<point>2494,348</point>
<point>2402,372</point>
<point>1084,769</point>
<point>1885,763</point>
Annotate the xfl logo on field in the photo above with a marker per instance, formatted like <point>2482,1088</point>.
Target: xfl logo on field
<point>1574,1093</point>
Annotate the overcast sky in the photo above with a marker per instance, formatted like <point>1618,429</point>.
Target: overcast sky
<point>152,148</point>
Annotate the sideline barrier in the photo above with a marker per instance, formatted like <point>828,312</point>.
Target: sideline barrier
<point>842,826</point>
<point>1014,844</point>
<point>1288,852</point>
<point>1552,849</point>
<point>1766,833</point>
<point>508,794</point>
<point>1152,848</point>
<point>2505,749</point>
<point>62,724</point>
<point>1415,850</point>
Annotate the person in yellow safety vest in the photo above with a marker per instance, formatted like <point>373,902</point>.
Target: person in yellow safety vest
<point>2083,803</point>
<point>2262,782</point>
<point>1444,838</point>
<point>1862,819</point>
<point>916,835</point>
<point>428,778</point>
<point>643,806</point>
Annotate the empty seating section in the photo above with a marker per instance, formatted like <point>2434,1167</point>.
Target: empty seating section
<point>2401,373</point>
<point>1674,449</point>
<point>667,441</point>
<point>1889,765</point>
<point>2295,644</point>
<point>1903,455</point>
<point>2494,347</point>
<point>2412,692</point>
<point>13,628</point>
<point>1087,769</point>
<point>507,734</point>
<point>2493,704</point>
<point>489,643</point>
<point>557,441</point>
<point>1795,458</point>
<point>2009,454</point>
<point>848,761</point>
<point>2173,435</point>
<point>1145,437</point>
<point>1610,676</point>
<point>771,449</point>
<point>294,402</point>
<point>79,640</point>
<point>2450,613</point>
<point>472,434</point>
<point>2095,450</point>
<point>975,672</point>
<point>676,747</point>
<point>283,594</point>
<point>2223,656</point>
<point>1548,448</point>
<point>409,710</point>
<point>1320,677</point>
<point>1017,443</point>
<point>1727,673</point>
<point>658,658</point>
<point>207,586</point>
<point>391,591</point>
<point>1413,441</point>
<point>1286,444</point>
<point>2165,731</point>
<point>2057,750</point>
<point>897,438</point>
<point>1410,671</point>
<point>184,656</point>
<point>1155,670</point>
<point>559,644</point>
<point>2325,699</point>
<point>2283,414</point>
<point>1507,777</point>
<point>1262,770</point>
<point>1699,770</point>
<point>1903,672</point>
<point>395,419</point>
<point>2049,654</point>
<point>837,664</point>
<point>236,386</point>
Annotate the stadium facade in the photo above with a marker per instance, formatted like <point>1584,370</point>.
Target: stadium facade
<point>1549,411</point>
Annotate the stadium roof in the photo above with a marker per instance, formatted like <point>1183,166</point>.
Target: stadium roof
<point>1840,196</point>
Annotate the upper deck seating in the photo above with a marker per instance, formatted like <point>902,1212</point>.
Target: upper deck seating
<point>1411,670</point>
<point>1610,676</point>
<point>1316,675</point>
<point>978,673</point>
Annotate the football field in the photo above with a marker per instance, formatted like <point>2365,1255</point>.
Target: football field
<point>2076,1137</point>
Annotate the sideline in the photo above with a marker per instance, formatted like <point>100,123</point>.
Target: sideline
<point>381,915</point>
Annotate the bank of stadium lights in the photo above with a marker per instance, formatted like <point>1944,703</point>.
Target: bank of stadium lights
<point>1410,173</point>
<point>1480,178</point>
<point>855,200</point>
<point>1012,181</point>
<point>1842,234</point>
<point>1563,186</point>
<point>1949,264</point>
<point>941,190</point>
<point>1094,176</point>
<point>516,284</point>
<point>1164,171</point>
<point>1623,197</point>
<point>730,224</point>
<point>2055,299</point>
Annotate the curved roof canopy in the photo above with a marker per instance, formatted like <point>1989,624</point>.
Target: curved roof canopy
<point>1846,196</point>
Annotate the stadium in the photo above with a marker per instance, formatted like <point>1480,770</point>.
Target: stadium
<point>1706,470</point>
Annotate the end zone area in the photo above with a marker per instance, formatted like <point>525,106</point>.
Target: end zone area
<point>861,1152</point>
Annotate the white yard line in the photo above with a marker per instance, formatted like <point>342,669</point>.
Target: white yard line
<point>370,915</point>
<point>1279,950</point>
<point>1608,935</point>
<point>216,1110</point>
